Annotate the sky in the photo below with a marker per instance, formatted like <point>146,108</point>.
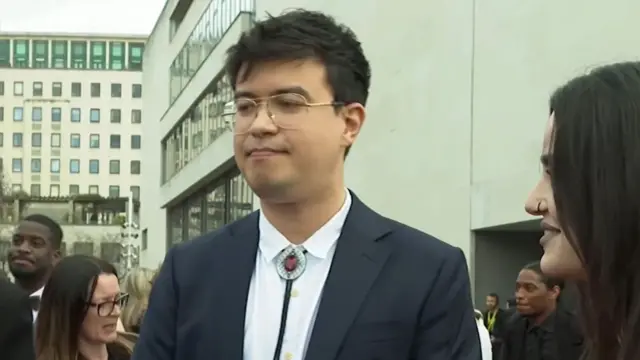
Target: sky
<point>80,16</point>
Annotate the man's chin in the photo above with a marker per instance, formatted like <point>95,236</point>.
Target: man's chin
<point>22,271</point>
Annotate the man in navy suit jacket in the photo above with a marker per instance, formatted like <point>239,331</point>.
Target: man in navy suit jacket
<point>390,292</point>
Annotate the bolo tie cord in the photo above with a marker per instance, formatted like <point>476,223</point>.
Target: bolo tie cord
<point>289,275</point>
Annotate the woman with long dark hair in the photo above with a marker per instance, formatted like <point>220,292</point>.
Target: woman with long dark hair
<point>79,312</point>
<point>589,198</point>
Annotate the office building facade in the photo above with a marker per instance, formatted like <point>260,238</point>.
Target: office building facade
<point>71,113</point>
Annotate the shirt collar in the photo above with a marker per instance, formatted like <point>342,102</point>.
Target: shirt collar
<point>37,293</point>
<point>272,242</point>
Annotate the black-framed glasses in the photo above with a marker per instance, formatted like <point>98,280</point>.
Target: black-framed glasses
<point>106,308</point>
<point>283,109</point>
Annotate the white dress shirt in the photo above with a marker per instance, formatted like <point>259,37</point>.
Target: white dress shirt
<point>485,340</point>
<point>38,294</point>
<point>266,291</point>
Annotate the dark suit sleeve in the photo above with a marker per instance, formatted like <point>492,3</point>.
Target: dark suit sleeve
<point>16,325</point>
<point>158,331</point>
<point>448,329</point>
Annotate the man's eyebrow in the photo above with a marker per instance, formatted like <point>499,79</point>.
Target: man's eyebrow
<point>287,90</point>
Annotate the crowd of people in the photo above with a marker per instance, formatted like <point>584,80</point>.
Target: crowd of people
<point>61,308</point>
<point>318,275</point>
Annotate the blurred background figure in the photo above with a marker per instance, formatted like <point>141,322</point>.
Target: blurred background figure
<point>79,313</point>
<point>16,326</point>
<point>485,338</point>
<point>494,320</point>
<point>540,329</point>
<point>34,251</point>
<point>137,284</point>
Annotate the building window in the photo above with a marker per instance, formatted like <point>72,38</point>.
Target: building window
<point>36,166</point>
<point>56,89</point>
<point>54,190</point>
<point>135,192</point>
<point>74,189</point>
<point>94,141</point>
<point>116,115</point>
<point>17,140</point>
<point>40,54</point>
<point>136,51</point>
<point>18,88</point>
<point>74,140</point>
<point>94,166</point>
<point>36,140</point>
<point>116,55</point>
<point>114,191</point>
<point>136,116</point>
<point>94,116</point>
<point>74,166</point>
<point>16,165</point>
<point>55,140</point>
<point>16,188</point>
<point>35,190</point>
<point>59,54</point>
<point>1,113</point>
<point>21,54</point>
<point>79,54</point>
<point>56,114</point>
<point>5,53</point>
<point>18,113</point>
<point>1,86</point>
<point>98,54</point>
<point>95,90</point>
<point>1,145</point>
<point>75,115</point>
<point>136,91</point>
<point>55,166</point>
<point>114,141</point>
<point>37,88</point>
<point>76,89</point>
<point>36,114</point>
<point>114,166</point>
<point>116,90</point>
<point>135,167</point>
<point>136,141</point>
<point>94,189</point>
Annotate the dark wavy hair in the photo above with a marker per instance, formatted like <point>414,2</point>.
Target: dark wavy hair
<point>595,176</point>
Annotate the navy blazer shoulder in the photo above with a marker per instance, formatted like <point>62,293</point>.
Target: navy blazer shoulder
<point>393,292</point>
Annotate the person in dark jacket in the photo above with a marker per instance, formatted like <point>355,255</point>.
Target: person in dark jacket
<point>539,330</point>
<point>16,323</point>
<point>494,319</point>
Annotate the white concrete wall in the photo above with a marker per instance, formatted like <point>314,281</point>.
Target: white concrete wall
<point>523,51</point>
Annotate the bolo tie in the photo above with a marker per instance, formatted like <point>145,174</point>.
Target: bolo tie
<point>290,265</point>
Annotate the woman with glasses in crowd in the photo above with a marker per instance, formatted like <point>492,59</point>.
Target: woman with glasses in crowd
<point>589,199</point>
<point>137,284</point>
<point>79,312</point>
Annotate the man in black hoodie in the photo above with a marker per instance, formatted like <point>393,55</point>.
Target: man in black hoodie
<point>16,324</point>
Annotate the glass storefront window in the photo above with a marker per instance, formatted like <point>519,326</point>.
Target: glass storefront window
<point>214,22</point>
<point>205,122</point>
<point>225,200</point>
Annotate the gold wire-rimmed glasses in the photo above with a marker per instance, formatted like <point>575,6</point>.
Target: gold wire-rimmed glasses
<point>283,109</point>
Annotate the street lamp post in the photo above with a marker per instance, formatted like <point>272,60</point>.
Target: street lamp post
<point>130,234</point>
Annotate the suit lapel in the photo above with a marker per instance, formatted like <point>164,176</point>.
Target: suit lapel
<point>356,264</point>
<point>234,262</point>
